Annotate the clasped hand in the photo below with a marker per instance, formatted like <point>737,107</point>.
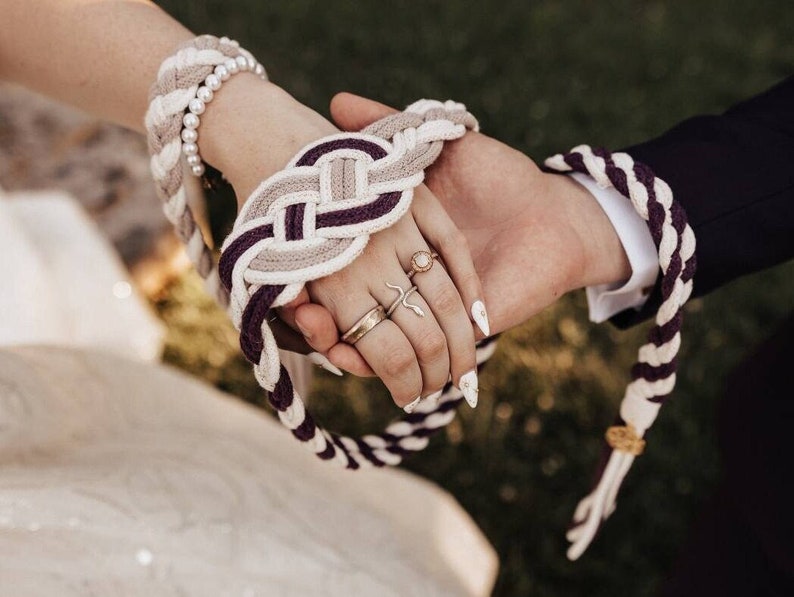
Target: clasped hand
<point>510,239</point>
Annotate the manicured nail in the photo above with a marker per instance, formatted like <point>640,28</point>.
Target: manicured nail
<point>481,317</point>
<point>322,361</point>
<point>409,408</point>
<point>433,398</point>
<point>469,386</point>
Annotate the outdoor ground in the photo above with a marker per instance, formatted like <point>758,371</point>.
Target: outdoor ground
<point>542,76</point>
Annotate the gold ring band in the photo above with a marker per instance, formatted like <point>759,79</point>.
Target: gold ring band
<point>364,325</point>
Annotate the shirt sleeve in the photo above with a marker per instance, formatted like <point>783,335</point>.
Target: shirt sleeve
<point>606,300</point>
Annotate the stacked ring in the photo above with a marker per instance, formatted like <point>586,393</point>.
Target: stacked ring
<point>421,261</point>
<point>364,325</point>
<point>402,299</point>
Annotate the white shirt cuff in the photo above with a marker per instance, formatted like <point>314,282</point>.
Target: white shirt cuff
<point>606,300</point>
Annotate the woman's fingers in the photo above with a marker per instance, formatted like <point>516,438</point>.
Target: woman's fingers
<point>287,338</point>
<point>450,243</point>
<point>385,347</point>
<point>411,313</point>
<point>434,284</point>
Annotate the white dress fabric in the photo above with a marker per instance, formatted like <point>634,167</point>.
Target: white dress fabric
<point>121,477</point>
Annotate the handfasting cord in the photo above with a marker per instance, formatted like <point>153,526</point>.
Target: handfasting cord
<point>315,217</point>
<point>654,372</point>
<point>305,222</point>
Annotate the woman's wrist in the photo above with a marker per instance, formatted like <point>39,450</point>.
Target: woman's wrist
<point>253,128</point>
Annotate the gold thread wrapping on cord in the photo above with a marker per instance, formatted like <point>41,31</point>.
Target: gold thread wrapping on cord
<point>624,438</point>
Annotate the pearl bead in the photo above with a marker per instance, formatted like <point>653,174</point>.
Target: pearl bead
<point>193,160</point>
<point>196,106</point>
<point>231,66</point>
<point>197,170</point>
<point>213,82</point>
<point>224,40</point>
<point>235,43</point>
<point>190,149</point>
<point>242,63</point>
<point>222,72</point>
<point>191,121</point>
<point>251,62</point>
<point>260,70</point>
<point>189,135</point>
<point>205,93</point>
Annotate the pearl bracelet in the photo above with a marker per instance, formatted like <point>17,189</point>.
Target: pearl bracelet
<point>244,62</point>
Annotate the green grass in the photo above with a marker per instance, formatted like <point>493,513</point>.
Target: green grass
<point>542,76</point>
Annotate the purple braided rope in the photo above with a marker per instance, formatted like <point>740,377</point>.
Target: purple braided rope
<point>653,375</point>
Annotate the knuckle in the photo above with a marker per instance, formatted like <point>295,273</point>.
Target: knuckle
<point>432,346</point>
<point>470,280</point>
<point>446,301</point>
<point>454,241</point>
<point>399,363</point>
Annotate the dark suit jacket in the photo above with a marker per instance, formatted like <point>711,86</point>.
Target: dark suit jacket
<point>734,175</point>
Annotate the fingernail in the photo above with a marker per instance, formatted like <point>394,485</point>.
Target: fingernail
<point>469,386</point>
<point>322,361</point>
<point>306,333</point>
<point>409,408</point>
<point>481,317</point>
<point>434,397</point>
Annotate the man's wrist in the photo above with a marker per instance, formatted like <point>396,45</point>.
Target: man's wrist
<point>606,300</point>
<point>602,258</point>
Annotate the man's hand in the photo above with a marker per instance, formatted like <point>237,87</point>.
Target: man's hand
<point>533,236</point>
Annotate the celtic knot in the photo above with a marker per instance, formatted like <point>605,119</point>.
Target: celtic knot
<point>316,216</point>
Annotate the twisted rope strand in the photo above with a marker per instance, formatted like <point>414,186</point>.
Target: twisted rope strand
<point>654,374</point>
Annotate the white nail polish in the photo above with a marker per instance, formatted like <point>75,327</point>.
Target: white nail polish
<point>409,408</point>
<point>481,317</point>
<point>322,361</point>
<point>433,398</point>
<point>469,386</point>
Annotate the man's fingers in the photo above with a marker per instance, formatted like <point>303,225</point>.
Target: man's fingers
<point>440,231</point>
<point>287,338</point>
<point>348,358</point>
<point>317,326</point>
<point>353,112</point>
<point>319,330</point>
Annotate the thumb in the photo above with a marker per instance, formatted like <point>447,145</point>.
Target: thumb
<point>353,112</point>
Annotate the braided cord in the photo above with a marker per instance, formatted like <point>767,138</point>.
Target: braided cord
<point>654,373</point>
<point>177,82</point>
<point>305,222</point>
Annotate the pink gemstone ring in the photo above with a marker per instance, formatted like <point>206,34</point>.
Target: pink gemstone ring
<point>421,261</point>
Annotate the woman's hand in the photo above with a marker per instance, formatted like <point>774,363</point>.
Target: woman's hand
<point>429,336</point>
<point>251,135</point>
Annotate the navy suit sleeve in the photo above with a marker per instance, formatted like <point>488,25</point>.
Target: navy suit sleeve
<point>734,175</point>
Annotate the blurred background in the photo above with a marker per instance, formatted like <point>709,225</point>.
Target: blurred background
<point>542,76</point>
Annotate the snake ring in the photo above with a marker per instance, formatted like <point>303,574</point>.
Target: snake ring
<point>402,299</point>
